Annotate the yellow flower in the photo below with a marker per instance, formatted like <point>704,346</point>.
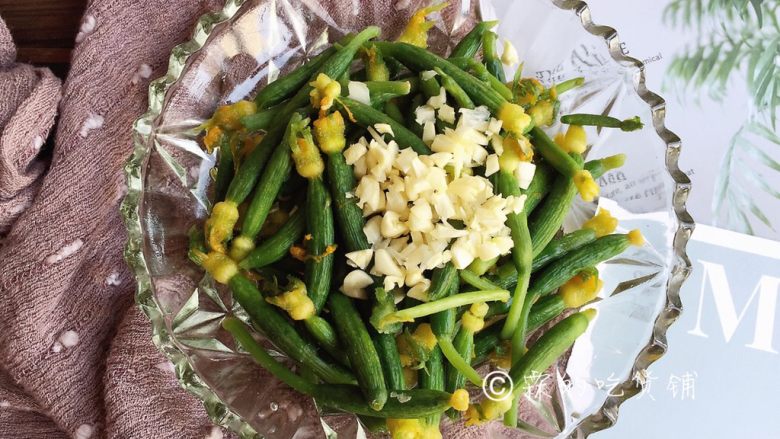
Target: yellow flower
<point>542,113</point>
<point>325,91</point>
<point>603,223</point>
<point>586,186</point>
<point>220,267</point>
<point>329,133</point>
<point>636,238</point>
<point>416,32</point>
<point>514,119</point>
<point>487,410</point>
<point>212,138</point>
<point>474,319</point>
<point>580,290</point>
<point>229,116</point>
<point>295,301</point>
<point>219,226</point>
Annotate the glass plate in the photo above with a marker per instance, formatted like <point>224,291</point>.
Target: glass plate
<point>252,42</point>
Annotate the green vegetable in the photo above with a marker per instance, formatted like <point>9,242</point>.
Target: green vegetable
<point>559,247</point>
<point>571,263</point>
<point>382,91</point>
<point>286,86</point>
<point>394,111</point>
<point>366,116</point>
<point>333,67</point>
<point>514,119</point>
<point>277,246</point>
<point>506,276</point>
<point>319,222</point>
<point>548,218</point>
<point>461,97</point>
<point>550,346</point>
<point>419,59</point>
<point>469,44</point>
<point>360,349</point>
<point>599,120</point>
<point>391,361</point>
<point>431,377</point>
<point>282,333</point>
<point>569,84</point>
<point>261,120</point>
<point>441,281</point>
<point>374,425</point>
<point>277,171</point>
<point>417,403</point>
<point>476,281</point>
<point>224,168</point>
<point>521,253</point>
<point>489,56</point>
<point>543,311</point>
<point>428,308</point>
<point>348,214</point>
<point>554,154</point>
<point>411,123</point>
<point>481,72</point>
<point>329,131</point>
<point>443,323</point>
<point>480,267</point>
<point>539,187</point>
<point>461,349</point>
<point>240,332</point>
<point>376,69</point>
<point>324,334</point>
<point>429,87</point>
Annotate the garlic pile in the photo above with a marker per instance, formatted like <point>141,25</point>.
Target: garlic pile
<point>424,211</point>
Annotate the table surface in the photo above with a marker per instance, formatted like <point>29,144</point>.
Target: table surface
<point>44,30</point>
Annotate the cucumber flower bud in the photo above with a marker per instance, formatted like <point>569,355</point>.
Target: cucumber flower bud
<point>412,429</point>
<point>580,289</point>
<point>325,91</point>
<point>212,138</point>
<point>460,400</point>
<point>474,318</point>
<point>542,113</point>
<point>219,226</point>
<point>636,238</point>
<point>229,116</point>
<point>220,267</point>
<point>586,186</point>
<point>240,247</point>
<point>514,119</point>
<point>575,140</point>
<point>329,133</point>
<point>487,410</point>
<point>603,223</point>
<point>295,300</point>
<point>305,153</point>
<point>415,348</point>
<point>528,91</point>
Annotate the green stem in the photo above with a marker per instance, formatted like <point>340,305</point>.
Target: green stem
<point>599,120</point>
<point>510,417</point>
<point>263,358</point>
<point>458,362</point>
<point>458,300</point>
<point>522,254</point>
<point>569,84</point>
<point>482,73</point>
<point>475,281</point>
